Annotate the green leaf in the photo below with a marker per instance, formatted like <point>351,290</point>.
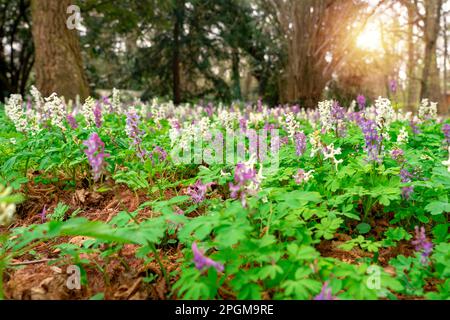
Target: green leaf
<point>363,228</point>
<point>438,207</point>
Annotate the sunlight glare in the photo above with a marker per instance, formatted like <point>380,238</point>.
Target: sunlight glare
<point>370,38</point>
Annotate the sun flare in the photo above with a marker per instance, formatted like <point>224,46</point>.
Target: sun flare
<point>370,38</point>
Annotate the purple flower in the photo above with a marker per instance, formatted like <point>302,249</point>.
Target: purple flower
<point>372,139</point>
<point>398,155</point>
<point>300,143</point>
<point>158,153</point>
<point>393,85</point>
<point>337,112</point>
<point>133,131</point>
<point>414,127</point>
<point>96,155</point>
<point>361,100</point>
<point>98,115</point>
<point>201,261</point>
<point>246,183</point>
<point>446,130</point>
<point>243,124</point>
<point>72,122</point>
<point>406,176</point>
<point>325,293</point>
<point>198,191</point>
<point>259,107</point>
<point>105,101</point>
<point>43,214</point>
<point>422,244</point>
<point>209,109</point>
<point>269,126</point>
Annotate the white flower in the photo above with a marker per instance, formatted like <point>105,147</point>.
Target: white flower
<point>14,111</point>
<point>325,114</point>
<point>316,143</point>
<point>447,162</point>
<point>37,97</point>
<point>115,99</point>
<point>403,136</point>
<point>303,177</point>
<point>87,110</point>
<point>384,112</point>
<point>292,125</point>
<point>427,110</point>
<point>56,109</point>
<point>330,153</point>
<point>226,119</point>
<point>7,210</point>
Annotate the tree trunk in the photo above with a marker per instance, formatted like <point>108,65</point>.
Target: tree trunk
<point>58,65</point>
<point>430,87</point>
<point>412,83</point>
<point>176,68</point>
<point>236,74</point>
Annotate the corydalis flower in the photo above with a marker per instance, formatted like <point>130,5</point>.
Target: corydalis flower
<point>72,121</point>
<point>43,214</point>
<point>14,111</point>
<point>414,127</point>
<point>372,139</point>
<point>325,115</point>
<point>403,136</point>
<point>300,143</point>
<point>96,155</point>
<point>56,109</point>
<point>325,293</point>
<point>302,176</point>
<point>398,155</point>
<point>134,133</point>
<point>393,85</point>
<point>292,125</point>
<point>329,152</point>
<point>98,115</point>
<point>202,262</point>
<point>246,181</point>
<point>361,100</point>
<point>338,116</point>
<point>422,245</point>
<point>198,191</point>
<point>427,110</point>
<point>158,154</point>
<point>384,113</point>
<point>406,177</point>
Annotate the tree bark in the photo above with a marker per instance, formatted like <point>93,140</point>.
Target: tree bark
<point>176,68</point>
<point>412,83</point>
<point>58,65</point>
<point>430,87</point>
<point>236,74</point>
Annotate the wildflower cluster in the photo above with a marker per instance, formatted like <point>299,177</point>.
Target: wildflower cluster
<point>422,245</point>
<point>197,191</point>
<point>246,181</point>
<point>134,133</point>
<point>326,118</point>
<point>302,176</point>
<point>427,110</point>
<point>96,155</point>
<point>202,262</point>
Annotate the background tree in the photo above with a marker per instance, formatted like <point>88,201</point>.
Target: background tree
<point>16,47</point>
<point>58,66</point>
